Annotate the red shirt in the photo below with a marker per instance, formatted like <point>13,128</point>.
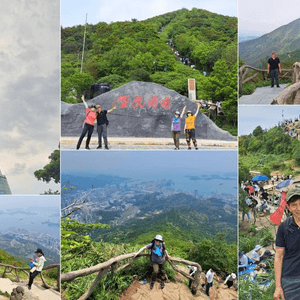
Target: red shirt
<point>90,117</point>
<point>251,189</point>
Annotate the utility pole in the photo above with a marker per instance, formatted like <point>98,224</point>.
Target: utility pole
<point>83,45</point>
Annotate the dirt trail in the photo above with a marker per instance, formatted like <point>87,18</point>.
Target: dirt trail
<point>177,291</point>
<point>36,293</point>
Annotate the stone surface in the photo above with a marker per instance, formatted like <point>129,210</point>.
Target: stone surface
<point>262,96</point>
<point>144,109</point>
<point>290,95</point>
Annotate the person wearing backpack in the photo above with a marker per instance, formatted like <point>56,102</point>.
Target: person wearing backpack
<point>102,124</point>
<point>158,257</point>
<point>88,126</point>
<point>176,127</point>
<point>287,256</point>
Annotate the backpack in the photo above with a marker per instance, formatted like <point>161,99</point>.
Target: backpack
<point>153,256</point>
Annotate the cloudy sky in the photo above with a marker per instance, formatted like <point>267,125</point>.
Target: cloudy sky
<point>258,17</point>
<point>264,116</point>
<point>29,91</point>
<point>73,12</point>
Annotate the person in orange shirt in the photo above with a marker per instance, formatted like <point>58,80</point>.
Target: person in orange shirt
<point>89,123</point>
<point>190,128</point>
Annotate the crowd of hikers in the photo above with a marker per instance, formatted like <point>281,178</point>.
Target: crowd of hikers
<point>286,257</point>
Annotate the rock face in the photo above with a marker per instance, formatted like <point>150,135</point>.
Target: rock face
<point>4,187</point>
<point>144,109</point>
<point>290,95</point>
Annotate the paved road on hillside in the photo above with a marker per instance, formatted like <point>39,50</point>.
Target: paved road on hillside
<point>262,96</point>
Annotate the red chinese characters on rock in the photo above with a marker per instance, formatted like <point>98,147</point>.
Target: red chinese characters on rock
<point>165,103</point>
<point>138,102</point>
<point>153,102</point>
<point>124,101</point>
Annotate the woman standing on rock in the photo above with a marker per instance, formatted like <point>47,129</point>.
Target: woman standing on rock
<point>176,127</point>
<point>39,266</point>
<point>89,123</point>
<point>190,128</point>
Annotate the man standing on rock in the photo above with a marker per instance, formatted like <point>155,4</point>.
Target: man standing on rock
<point>102,124</point>
<point>273,67</point>
<point>287,256</point>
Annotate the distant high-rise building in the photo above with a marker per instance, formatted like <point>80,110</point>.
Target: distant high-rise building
<point>4,187</point>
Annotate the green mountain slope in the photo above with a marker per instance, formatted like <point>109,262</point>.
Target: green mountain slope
<point>8,259</point>
<point>284,39</point>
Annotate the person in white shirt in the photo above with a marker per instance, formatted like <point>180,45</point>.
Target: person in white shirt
<point>230,279</point>
<point>256,253</point>
<point>209,277</point>
<point>38,266</point>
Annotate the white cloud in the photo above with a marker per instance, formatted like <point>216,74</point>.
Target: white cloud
<point>29,90</point>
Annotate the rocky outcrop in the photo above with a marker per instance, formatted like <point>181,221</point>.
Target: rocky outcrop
<point>144,109</point>
<point>290,95</point>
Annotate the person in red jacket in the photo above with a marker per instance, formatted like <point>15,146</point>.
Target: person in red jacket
<point>89,123</point>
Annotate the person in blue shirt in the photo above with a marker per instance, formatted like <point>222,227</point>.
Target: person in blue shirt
<point>158,257</point>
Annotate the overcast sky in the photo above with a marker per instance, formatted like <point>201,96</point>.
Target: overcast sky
<point>264,116</point>
<point>29,90</point>
<point>258,17</point>
<point>73,12</point>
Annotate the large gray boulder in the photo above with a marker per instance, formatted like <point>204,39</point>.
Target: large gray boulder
<point>144,109</point>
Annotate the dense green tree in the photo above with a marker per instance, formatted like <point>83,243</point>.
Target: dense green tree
<point>52,170</point>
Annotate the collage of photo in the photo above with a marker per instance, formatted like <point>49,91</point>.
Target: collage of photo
<point>150,150</point>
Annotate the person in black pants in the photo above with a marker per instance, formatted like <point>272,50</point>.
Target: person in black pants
<point>273,67</point>
<point>39,264</point>
<point>89,122</point>
<point>102,124</point>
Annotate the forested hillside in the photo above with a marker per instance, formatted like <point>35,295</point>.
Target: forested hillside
<point>166,49</point>
<point>269,150</point>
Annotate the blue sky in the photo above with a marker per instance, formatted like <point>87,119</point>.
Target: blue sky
<point>258,17</point>
<point>265,116</point>
<point>74,12</point>
<point>124,162</point>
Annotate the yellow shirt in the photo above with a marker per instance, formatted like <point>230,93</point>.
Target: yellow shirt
<point>190,122</point>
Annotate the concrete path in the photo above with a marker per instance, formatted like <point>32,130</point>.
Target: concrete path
<point>36,293</point>
<point>262,96</point>
<point>69,143</point>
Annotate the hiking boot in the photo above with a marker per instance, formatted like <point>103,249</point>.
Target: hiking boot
<point>151,285</point>
<point>99,147</point>
<point>162,284</point>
